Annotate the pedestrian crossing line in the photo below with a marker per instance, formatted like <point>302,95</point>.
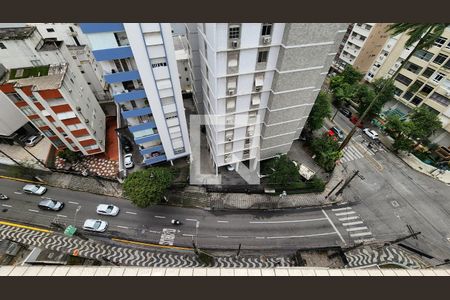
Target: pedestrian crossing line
<point>357,228</point>
<point>348,218</point>
<point>364,240</point>
<point>345,213</point>
<point>360,234</point>
<point>343,208</point>
<point>352,223</point>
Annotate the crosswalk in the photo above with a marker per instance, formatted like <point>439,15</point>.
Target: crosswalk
<point>354,226</point>
<point>352,153</point>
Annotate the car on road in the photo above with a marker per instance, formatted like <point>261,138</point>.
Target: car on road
<point>50,204</point>
<point>33,140</point>
<point>95,225</point>
<point>3,197</point>
<point>346,112</point>
<point>371,133</point>
<point>338,132</point>
<point>107,210</point>
<point>128,161</point>
<point>34,189</point>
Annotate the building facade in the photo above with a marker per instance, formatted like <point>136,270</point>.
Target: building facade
<point>139,64</point>
<point>259,83</point>
<point>182,57</point>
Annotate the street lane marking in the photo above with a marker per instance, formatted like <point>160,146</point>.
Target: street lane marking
<point>33,210</point>
<point>124,227</point>
<point>193,220</point>
<point>153,231</point>
<point>343,208</point>
<point>131,213</point>
<point>24,226</point>
<point>62,216</point>
<point>290,221</point>
<point>18,193</point>
<point>360,234</point>
<point>357,228</point>
<point>6,205</point>
<point>150,245</point>
<point>222,236</point>
<point>352,223</point>
<point>160,217</point>
<point>364,240</point>
<point>345,213</point>
<point>300,236</point>
<point>260,237</point>
<point>334,227</point>
<point>348,218</point>
<point>23,180</point>
<point>190,235</point>
<point>222,221</point>
<point>76,203</point>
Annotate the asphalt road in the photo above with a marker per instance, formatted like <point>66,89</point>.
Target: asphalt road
<point>222,230</point>
<point>392,196</point>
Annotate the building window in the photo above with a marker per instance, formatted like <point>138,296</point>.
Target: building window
<point>231,105</point>
<point>266,29</point>
<point>185,69</point>
<point>416,100</point>
<point>447,64</point>
<point>440,59</point>
<point>233,59</point>
<point>121,38</point>
<point>408,95</point>
<point>231,85</point>
<point>428,72</point>
<point>27,110</point>
<point>2,46</point>
<point>403,79</point>
<point>50,30</point>
<point>159,62</point>
<point>15,97</point>
<point>438,77</point>
<point>440,41</point>
<point>426,89</point>
<point>262,55</point>
<point>423,54</point>
<point>38,122</point>
<point>440,99</point>
<point>367,26</point>
<point>206,49</point>
<point>187,78</point>
<point>413,68</point>
<point>234,31</point>
<point>397,91</point>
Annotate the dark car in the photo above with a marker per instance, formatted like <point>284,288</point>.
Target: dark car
<point>338,132</point>
<point>346,112</point>
<point>50,204</point>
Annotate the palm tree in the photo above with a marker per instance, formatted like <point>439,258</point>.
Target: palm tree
<point>423,35</point>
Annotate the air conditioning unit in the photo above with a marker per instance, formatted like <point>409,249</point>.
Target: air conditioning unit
<point>234,43</point>
<point>229,139</point>
<point>266,40</point>
<point>258,88</point>
<point>231,91</point>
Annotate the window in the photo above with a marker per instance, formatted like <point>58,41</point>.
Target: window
<point>428,72</point>
<point>416,86</point>
<point>27,110</point>
<point>413,68</point>
<point>121,65</point>
<point>185,69</point>
<point>440,41</point>
<point>408,95</point>
<point>426,89</point>
<point>187,78</point>
<point>206,49</point>
<point>234,31</point>
<point>440,59</point>
<point>121,38</point>
<point>228,147</point>
<point>370,75</point>
<point>440,99</point>
<point>36,62</point>
<point>15,97</point>
<point>367,26</point>
<point>39,122</point>
<point>50,30</point>
<point>447,64</point>
<point>397,91</point>
<point>233,59</point>
<point>423,54</point>
<point>266,29</point>
<point>438,77</point>
<point>259,81</point>
<point>229,135</point>
<point>256,99</point>
<point>2,46</point>
<point>159,62</point>
<point>416,100</point>
<point>231,104</point>
<point>232,83</point>
<point>262,55</point>
<point>403,79</point>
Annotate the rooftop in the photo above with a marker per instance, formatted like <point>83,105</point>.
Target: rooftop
<point>16,33</point>
<point>41,77</point>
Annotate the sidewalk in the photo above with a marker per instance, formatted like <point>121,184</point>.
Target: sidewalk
<point>418,165</point>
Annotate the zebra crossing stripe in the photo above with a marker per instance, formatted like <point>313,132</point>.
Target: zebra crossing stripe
<point>352,223</point>
<point>345,213</point>
<point>343,208</point>
<point>348,218</point>
<point>357,228</point>
<point>360,234</point>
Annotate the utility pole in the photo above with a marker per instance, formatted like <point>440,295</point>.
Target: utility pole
<point>335,187</point>
<point>347,183</point>
<point>10,158</point>
<point>414,234</point>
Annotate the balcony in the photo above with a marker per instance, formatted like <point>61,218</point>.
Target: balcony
<point>122,76</point>
<point>158,148</point>
<point>136,112</point>
<point>133,95</point>
<point>142,126</point>
<point>113,53</point>
<point>154,160</point>
<point>145,139</point>
<point>101,27</point>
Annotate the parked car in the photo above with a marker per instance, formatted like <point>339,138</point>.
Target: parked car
<point>3,197</point>
<point>107,210</point>
<point>34,189</point>
<point>355,119</point>
<point>371,133</point>
<point>346,112</point>
<point>95,225</point>
<point>128,161</point>
<point>331,134</point>
<point>33,140</point>
<point>50,204</point>
<point>127,148</point>
<point>340,134</point>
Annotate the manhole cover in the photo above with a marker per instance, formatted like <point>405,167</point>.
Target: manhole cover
<point>395,203</point>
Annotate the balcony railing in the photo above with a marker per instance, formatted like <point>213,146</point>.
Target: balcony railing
<point>136,112</point>
<point>154,160</point>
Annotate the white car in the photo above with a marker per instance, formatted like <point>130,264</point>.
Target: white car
<point>107,210</point>
<point>371,133</point>
<point>34,189</point>
<point>95,225</point>
<point>33,140</point>
<point>128,160</point>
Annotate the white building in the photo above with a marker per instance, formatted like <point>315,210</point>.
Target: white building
<point>259,83</point>
<point>182,56</point>
<point>140,65</point>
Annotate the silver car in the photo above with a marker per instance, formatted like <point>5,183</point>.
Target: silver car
<point>34,189</point>
<point>33,140</point>
<point>95,225</point>
<point>107,210</point>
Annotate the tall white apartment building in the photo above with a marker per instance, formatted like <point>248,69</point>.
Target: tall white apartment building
<point>259,82</point>
<point>139,64</point>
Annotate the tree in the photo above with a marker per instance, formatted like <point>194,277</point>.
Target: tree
<point>320,110</point>
<point>326,149</point>
<point>69,155</point>
<point>282,171</point>
<point>147,187</point>
<point>364,95</point>
<point>403,143</point>
<point>423,124</point>
<point>344,93</point>
<point>350,76</point>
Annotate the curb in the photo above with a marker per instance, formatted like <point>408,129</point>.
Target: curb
<point>23,180</point>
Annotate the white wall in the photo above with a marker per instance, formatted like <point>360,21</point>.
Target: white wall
<point>11,119</point>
